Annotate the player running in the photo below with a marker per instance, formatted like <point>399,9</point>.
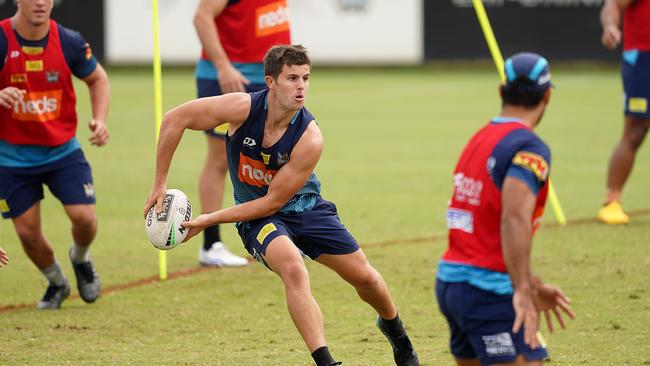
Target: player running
<point>273,146</point>
<point>38,123</point>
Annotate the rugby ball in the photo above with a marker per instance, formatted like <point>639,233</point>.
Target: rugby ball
<point>164,228</point>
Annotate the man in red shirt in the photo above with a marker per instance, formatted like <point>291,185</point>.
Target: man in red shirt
<point>636,85</point>
<point>485,286</point>
<point>38,123</point>
<point>235,35</point>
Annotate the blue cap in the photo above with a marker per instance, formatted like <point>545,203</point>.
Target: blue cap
<point>530,66</point>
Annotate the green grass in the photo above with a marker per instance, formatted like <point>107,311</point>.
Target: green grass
<point>392,139</point>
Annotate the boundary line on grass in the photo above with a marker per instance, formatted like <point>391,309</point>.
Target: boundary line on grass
<point>385,243</point>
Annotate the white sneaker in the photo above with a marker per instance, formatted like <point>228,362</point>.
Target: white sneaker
<point>219,256</point>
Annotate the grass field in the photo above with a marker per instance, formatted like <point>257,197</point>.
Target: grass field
<point>392,139</point>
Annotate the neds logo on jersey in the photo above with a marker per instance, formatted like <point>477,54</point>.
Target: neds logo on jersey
<point>38,106</point>
<point>272,18</point>
<point>254,172</point>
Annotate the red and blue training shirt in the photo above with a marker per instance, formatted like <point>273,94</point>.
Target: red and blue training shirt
<point>505,147</point>
<point>39,130</point>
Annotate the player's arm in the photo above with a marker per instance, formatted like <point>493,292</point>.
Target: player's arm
<point>199,114</point>
<point>100,96</point>
<point>285,184</point>
<point>518,203</point>
<point>230,79</point>
<point>610,19</point>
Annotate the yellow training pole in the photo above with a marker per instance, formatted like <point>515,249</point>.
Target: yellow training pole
<point>157,92</point>
<point>498,62</point>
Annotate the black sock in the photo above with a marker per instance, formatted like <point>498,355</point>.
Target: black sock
<point>211,235</point>
<point>394,327</point>
<point>322,357</point>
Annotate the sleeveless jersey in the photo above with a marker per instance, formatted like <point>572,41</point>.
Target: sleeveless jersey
<point>252,166</point>
<point>474,212</point>
<point>46,116</point>
<point>248,28</point>
<point>636,26</point>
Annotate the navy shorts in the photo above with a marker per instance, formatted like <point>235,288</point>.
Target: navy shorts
<point>211,88</point>
<point>636,83</point>
<point>314,232</point>
<point>69,179</point>
<point>481,324</point>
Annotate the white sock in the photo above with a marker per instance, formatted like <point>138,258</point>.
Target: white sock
<point>54,274</point>
<point>79,254</point>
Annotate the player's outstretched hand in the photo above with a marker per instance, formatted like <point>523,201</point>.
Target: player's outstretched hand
<point>99,136</point>
<point>156,198</point>
<point>549,298</point>
<point>10,96</point>
<point>527,316</point>
<point>4,259</point>
<point>196,225</point>
<point>611,37</point>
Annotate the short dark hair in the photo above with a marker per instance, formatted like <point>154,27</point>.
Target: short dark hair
<point>522,92</point>
<point>281,55</point>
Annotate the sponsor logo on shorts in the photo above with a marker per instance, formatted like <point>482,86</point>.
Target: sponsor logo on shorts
<point>272,18</point>
<point>265,231</point>
<point>498,345</point>
<point>34,65</point>
<point>89,190</point>
<point>467,189</point>
<point>637,105</point>
<point>38,106</point>
<point>254,172</point>
<point>4,206</point>
<point>533,162</point>
<point>18,78</point>
<point>460,219</point>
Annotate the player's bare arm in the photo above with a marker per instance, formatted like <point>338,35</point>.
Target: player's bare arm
<point>610,19</point>
<point>285,184</point>
<point>100,96</point>
<point>518,203</point>
<point>199,114</point>
<point>230,79</point>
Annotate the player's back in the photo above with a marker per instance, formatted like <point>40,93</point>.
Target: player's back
<point>474,212</point>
